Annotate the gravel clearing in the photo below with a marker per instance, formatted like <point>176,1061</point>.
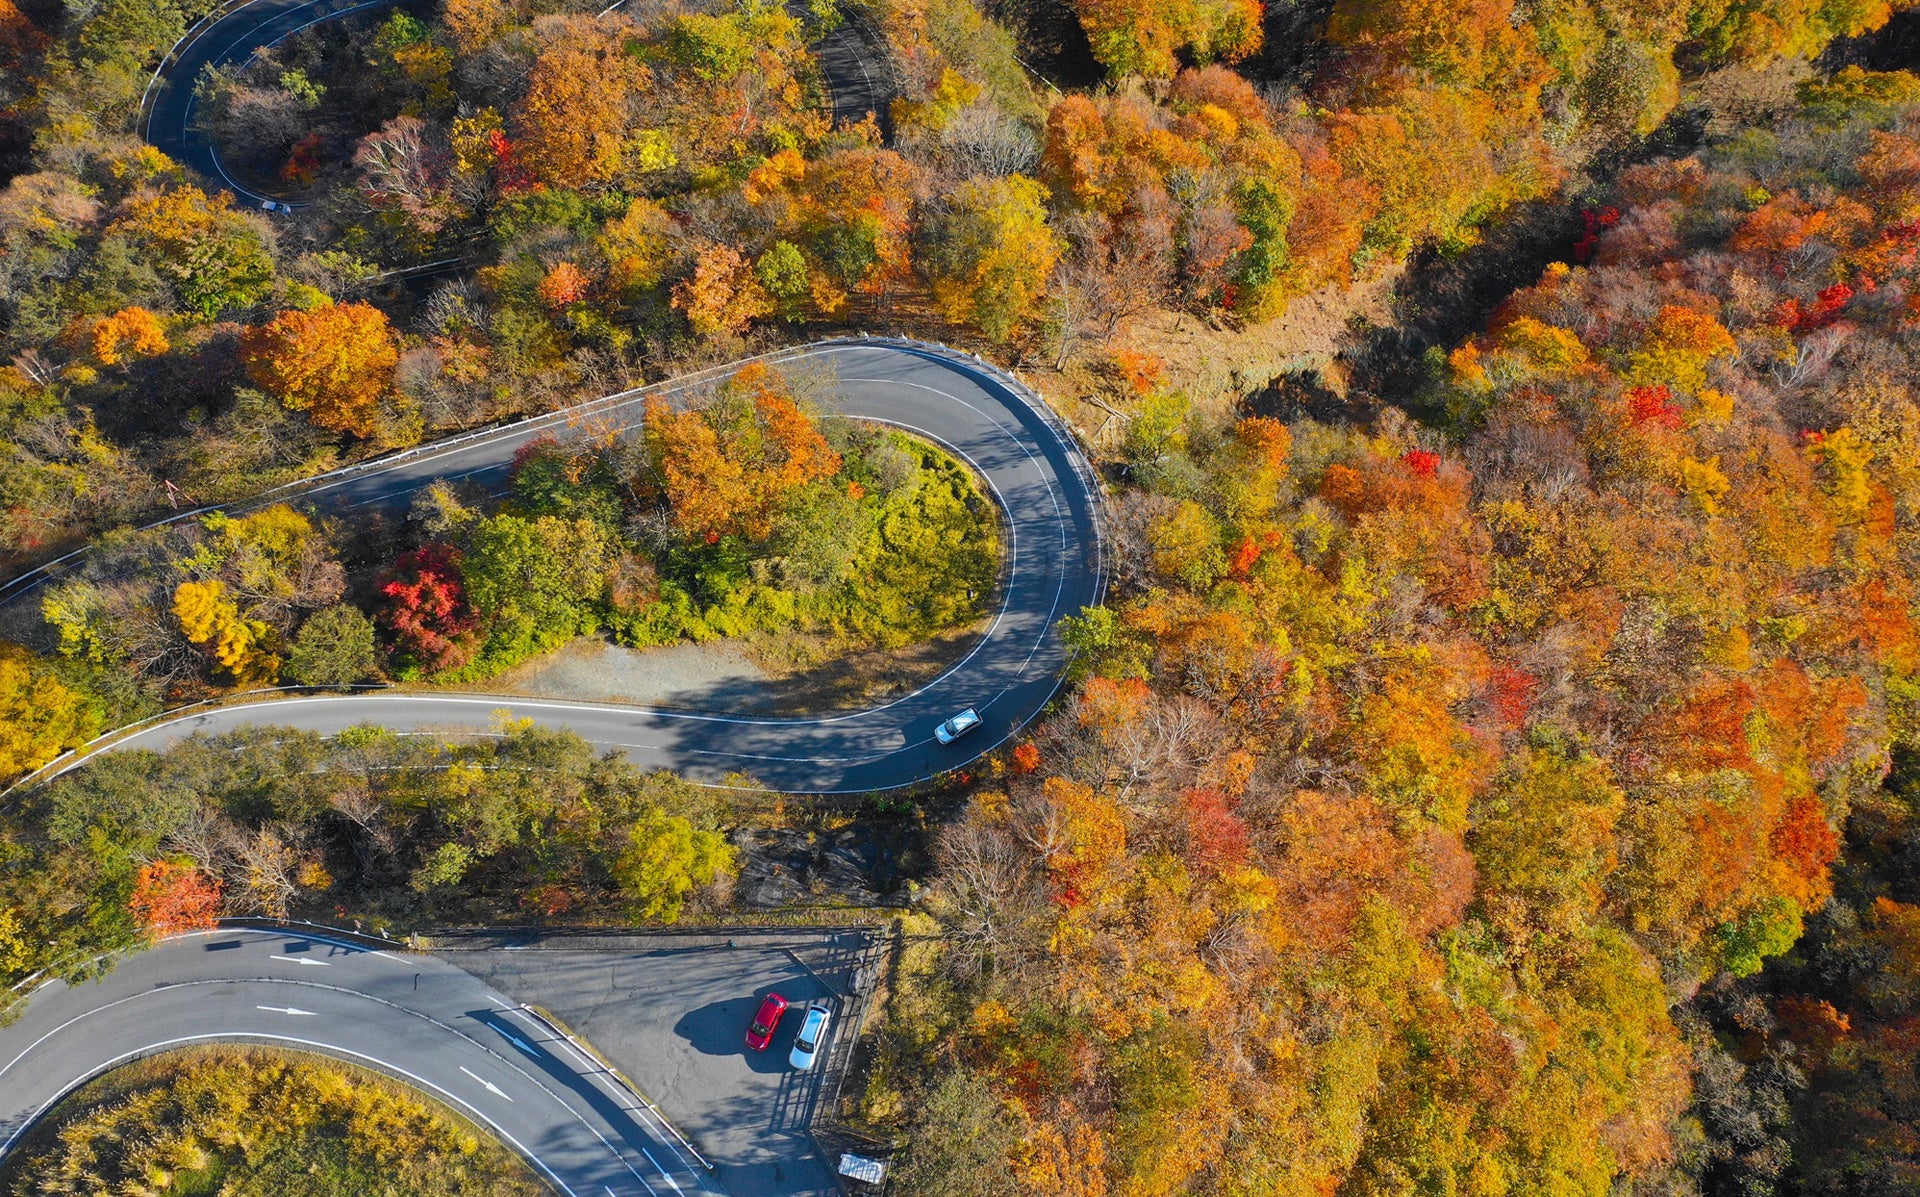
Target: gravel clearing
<point>700,677</point>
<point>791,675</point>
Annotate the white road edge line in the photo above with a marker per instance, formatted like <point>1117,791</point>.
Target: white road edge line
<point>615,1152</point>
<point>322,1048</point>
<point>591,1067</point>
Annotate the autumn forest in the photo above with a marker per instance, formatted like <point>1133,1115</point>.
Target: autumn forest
<point>1495,768</point>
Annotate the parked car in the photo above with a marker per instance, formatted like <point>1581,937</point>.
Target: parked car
<point>806,1045</point>
<point>957,726</point>
<point>766,1021</point>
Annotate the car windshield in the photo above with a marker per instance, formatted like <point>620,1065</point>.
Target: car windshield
<point>759,1028</point>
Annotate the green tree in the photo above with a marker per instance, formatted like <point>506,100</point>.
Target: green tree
<point>782,270</point>
<point>129,33</point>
<point>214,255</point>
<point>536,583</point>
<point>335,647</point>
<point>962,1141</point>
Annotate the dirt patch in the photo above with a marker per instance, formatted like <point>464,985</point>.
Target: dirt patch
<point>788,674</point>
<point>1218,365</point>
<point>708,677</point>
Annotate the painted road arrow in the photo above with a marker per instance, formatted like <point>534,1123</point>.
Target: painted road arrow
<point>492,1088</point>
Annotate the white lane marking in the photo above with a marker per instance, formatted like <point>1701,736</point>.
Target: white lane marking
<point>423,1016</point>
<point>224,57</point>
<point>301,960</point>
<point>620,1092</point>
<point>492,1088</point>
<point>609,405</point>
<point>663,1171</point>
<point>316,1045</point>
<point>289,1010</point>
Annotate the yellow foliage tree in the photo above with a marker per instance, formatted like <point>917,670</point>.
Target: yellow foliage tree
<point>994,254</point>
<point>39,714</point>
<point>638,244</point>
<point>1678,345</point>
<point>243,647</point>
<point>473,23</point>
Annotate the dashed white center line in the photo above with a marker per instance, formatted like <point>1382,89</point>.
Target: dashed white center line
<point>303,960</point>
<point>492,1088</point>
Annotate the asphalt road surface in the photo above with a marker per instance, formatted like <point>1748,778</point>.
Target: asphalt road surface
<point>231,39</point>
<point>1051,569</point>
<point>416,1018</point>
<point>1033,467</point>
<point>856,79</point>
<point>670,1011</point>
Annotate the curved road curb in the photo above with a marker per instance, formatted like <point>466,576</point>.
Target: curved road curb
<point>1029,459</point>
<point>417,1019</point>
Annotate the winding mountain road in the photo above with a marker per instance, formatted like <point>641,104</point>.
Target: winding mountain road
<point>1027,457</point>
<point>434,1025</point>
<point>1051,569</point>
<point>231,35</point>
<point>415,1018</point>
<point>849,56</point>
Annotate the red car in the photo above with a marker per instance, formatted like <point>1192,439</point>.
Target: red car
<point>766,1022</point>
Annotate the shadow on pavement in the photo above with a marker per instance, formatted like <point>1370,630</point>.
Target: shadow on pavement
<point>720,1029</point>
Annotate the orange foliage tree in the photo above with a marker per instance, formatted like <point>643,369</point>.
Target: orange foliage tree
<point>129,333</point>
<point>335,362</point>
<point>562,285</point>
<point>172,897</point>
<point>571,125</point>
<point>727,466</point>
<point>723,295</point>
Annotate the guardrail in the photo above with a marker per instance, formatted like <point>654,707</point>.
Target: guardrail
<point>252,922</point>
<point>565,415</point>
<point>1007,380</point>
<point>426,452</point>
<point>74,756</point>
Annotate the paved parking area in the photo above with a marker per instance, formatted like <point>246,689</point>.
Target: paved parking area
<point>670,1011</point>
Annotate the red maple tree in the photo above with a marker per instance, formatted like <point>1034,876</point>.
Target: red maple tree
<point>426,613</point>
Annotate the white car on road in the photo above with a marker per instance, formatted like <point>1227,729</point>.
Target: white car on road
<point>957,726</point>
<point>806,1044</point>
